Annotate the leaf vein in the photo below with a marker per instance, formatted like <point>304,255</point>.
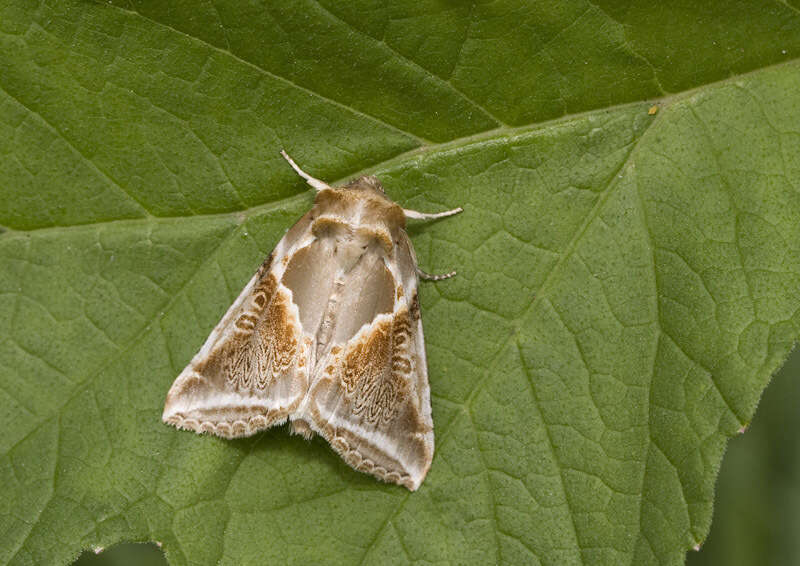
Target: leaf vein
<point>551,446</point>
<point>413,64</point>
<point>272,75</point>
<point>92,165</point>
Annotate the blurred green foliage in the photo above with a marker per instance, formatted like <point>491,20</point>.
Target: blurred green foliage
<point>126,554</point>
<point>757,505</point>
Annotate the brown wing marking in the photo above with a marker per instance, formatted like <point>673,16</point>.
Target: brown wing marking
<point>255,374</point>
<point>366,404</point>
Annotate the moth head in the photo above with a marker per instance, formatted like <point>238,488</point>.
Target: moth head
<point>366,183</point>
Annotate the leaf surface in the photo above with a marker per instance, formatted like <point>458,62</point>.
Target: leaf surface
<point>629,266</point>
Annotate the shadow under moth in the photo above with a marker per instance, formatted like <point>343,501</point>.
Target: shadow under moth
<point>327,335</point>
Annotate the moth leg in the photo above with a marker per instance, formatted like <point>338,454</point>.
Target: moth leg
<point>316,183</point>
<point>431,216</point>
<point>416,215</point>
<point>431,277</point>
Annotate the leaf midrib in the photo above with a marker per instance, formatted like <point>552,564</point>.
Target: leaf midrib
<point>472,140</point>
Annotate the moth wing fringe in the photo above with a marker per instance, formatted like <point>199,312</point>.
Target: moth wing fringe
<point>359,462</point>
<point>238,428</point>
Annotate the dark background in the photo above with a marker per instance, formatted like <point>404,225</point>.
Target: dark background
<point>757,506</point>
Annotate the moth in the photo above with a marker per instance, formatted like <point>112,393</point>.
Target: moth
<point>327,335</point>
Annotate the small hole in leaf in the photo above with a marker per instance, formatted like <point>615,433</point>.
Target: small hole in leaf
<point>124,554</point>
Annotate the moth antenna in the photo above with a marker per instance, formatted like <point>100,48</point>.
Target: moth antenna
<point>416,215</point>
<point>316,183</point>
<point>432,277</point>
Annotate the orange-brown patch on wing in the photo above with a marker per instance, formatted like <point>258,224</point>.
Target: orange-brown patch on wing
<point>253,378</point>
<point>266,342</point>
<point>371,384</point>
<point>365,404</point>
<point>280,336</point>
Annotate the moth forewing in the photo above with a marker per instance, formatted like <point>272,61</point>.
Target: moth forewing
<point>251,371</point>
<point>327,334</point>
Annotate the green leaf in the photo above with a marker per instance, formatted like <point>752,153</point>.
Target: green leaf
<point>628,281</point>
